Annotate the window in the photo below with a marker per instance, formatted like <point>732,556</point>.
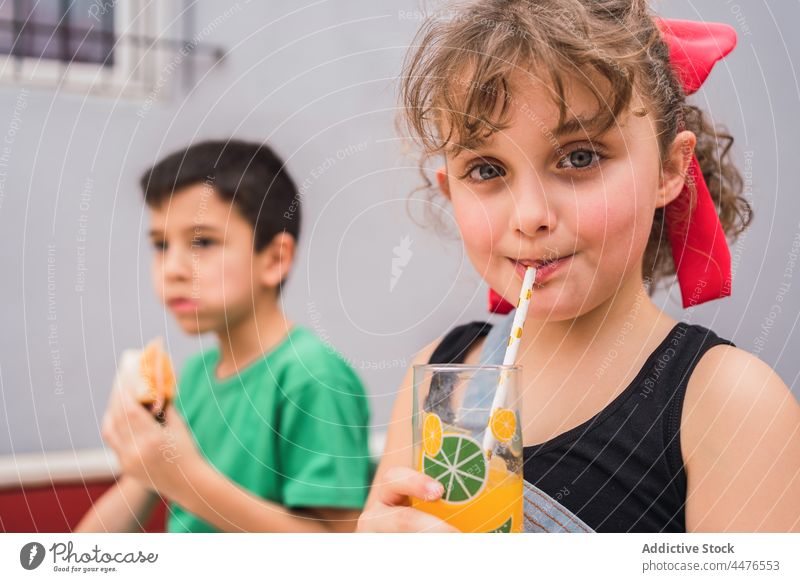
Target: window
<point>80,31</point>
<point>127,48</point>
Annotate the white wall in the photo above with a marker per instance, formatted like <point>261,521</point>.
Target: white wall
<point>319,83</point>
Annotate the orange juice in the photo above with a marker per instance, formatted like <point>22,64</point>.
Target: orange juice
<point>479,495</point>
<point>498,507</point>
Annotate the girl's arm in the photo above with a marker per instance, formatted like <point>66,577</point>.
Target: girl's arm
<point>125,507</point>
<point>387,508</point>
<point>740,438</point>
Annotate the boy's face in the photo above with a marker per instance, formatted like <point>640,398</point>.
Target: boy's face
<point>528,195</point>
<point>204,267</point>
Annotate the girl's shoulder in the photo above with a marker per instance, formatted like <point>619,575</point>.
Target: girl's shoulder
<point>730,379</point>
<point>740,445</point>
<point>730,376</point>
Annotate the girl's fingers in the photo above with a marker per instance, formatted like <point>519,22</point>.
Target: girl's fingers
<point>400,483</point>
<point>402,519</point>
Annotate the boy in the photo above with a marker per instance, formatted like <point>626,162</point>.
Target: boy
<point>277,422</point>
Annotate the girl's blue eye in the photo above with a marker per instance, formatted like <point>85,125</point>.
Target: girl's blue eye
<point>484,172</point>
<point>579,159</point>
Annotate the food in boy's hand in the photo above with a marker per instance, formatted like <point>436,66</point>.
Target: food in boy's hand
<point>148,375</point>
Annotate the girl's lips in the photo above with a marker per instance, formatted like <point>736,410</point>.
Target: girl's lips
<point>544,272</point>
<point>182,305</point>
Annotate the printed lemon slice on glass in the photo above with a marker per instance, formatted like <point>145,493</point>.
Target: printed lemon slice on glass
<point>460,466</point>
<point>503,424</point>
<point>432,434</point>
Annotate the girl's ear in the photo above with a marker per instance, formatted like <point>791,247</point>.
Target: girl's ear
<point>441,179</point>
<point>275,260</point>
<point>675,168</point>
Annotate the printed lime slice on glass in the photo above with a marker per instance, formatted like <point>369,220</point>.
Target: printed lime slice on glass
<point>505,528</point>
<point>460,466</point>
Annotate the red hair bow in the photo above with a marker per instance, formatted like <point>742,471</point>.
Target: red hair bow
<point>699,248</point>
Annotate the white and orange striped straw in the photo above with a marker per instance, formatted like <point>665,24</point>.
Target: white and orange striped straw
<point>514,339</point>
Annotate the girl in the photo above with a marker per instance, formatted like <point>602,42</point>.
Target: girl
<point>568,144</point>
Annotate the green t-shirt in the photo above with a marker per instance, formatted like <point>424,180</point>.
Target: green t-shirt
<point>291,428</point>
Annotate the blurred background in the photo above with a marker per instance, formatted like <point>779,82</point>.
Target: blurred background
<point>93,92</point>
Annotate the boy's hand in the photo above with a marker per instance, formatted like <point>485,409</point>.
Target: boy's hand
<point>160,457</point>
<point>390,512</point>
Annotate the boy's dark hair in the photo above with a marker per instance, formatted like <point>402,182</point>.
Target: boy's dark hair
<point>249,175</point>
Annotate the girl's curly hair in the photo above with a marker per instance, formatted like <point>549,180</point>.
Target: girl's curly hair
<point>456,88</point>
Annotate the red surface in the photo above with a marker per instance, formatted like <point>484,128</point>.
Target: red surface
<point>58,508</point>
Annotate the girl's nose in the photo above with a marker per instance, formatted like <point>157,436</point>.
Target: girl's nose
<point>531,212</point>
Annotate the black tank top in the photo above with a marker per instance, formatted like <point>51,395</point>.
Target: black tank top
<point>622,470</point>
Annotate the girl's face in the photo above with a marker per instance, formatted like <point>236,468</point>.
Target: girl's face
<point>583,200</point>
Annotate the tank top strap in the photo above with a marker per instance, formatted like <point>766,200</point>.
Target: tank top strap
<point>669,378</point>
<point>481,394</point>
<point>456,343</point>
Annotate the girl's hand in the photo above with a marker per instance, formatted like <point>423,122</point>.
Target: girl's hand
<point>389,509</point>
<point>160,457</point>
